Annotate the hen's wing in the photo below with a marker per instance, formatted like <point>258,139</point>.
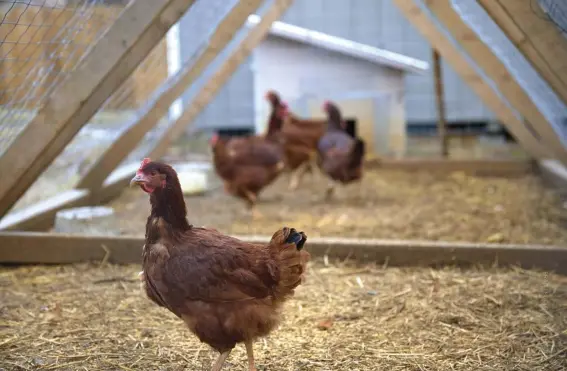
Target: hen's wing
<point>254,151</point>
<point>218,268</point>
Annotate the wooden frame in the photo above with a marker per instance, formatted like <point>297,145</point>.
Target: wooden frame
<point>497,71</point>
<point>219,78</point>
<point>159,104</point>
<point>51,248</point>
<point>41,216</point>
<point>538,39</point>
<point>77,98</point>
<point>472,77</point>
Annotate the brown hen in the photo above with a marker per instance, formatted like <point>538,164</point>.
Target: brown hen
<point>227,291</point>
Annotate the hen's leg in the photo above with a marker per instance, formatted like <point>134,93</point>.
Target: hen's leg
<point>330,191</point>
<point>220,361</point>
<point>297,176</point>
<point>250,353</point>
<point>252,198</point>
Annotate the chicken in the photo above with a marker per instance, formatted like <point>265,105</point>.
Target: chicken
<point>248,168</point>
<point>226,291</point>
<point>299,137</point>
<point>340,155</point>
<point>272,135</point>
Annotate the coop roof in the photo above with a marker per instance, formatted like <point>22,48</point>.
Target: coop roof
<point>343,46</point>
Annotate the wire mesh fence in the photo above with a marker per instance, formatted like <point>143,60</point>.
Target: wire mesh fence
<point>555,12</point>
<point>41,41</point>
<point>528,78</point>
<point>123,107</point>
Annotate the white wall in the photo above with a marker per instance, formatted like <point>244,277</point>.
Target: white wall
<point>294,69</point>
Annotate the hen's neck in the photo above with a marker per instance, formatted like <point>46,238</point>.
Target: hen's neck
<point>168,217</point>
<point>334,121</point>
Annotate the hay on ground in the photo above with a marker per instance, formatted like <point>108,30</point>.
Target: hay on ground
<point>345,317</point>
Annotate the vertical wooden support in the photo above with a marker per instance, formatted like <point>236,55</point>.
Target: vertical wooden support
<point>440,104</point>
<point>499,73</point>
<point>211,88</point>
<point>535,36</point>
<point>465,69</point>
<point>159,104</point>
<point>77,98</point>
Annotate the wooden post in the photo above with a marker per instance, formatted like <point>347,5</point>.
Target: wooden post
<point>497,71</point>
<point>466,69</point>
<point>211,88</point>
<point>440,103</point>
<point>77,98</point>
<point>160,103</point>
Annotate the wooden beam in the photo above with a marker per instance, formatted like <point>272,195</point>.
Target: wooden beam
<point>77,98</point>
<point>41,216</point>
<point>495,168</point>
<point>497,72</point>
<point>159,104</point>
<point>440,104</point>
<point>211,88</point>
<point>535,36</point>
<point>465,69</point>
<point>50,248</point>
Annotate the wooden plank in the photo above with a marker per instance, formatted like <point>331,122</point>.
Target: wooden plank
<point>497,71</point>
<point>50,248</point>
<point>76,99</point>
<point>496,168</point>
<point>535,36</point>
<point>440,104</point>
<point>159,104</point>
<point>465,69</point>
<point>41,216</point>
<point>219,78</point>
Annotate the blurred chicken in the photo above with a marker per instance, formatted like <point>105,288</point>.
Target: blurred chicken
<point>248,169</point>
<point>227,291</point>
<point>299,138</point>
<point>340,155</point>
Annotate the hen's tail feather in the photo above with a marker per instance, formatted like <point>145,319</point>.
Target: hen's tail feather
<point>357,153</point>
<point>291,260</point>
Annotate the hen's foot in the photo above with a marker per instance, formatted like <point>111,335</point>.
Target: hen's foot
<point>220,361</point>
<point>250,354</point>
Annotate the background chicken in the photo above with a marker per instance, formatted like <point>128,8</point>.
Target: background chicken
<point>225,290</point>
<point>300,138</point>
<point>272,136</point>
<point>248,168</point>
<point>340,155</point>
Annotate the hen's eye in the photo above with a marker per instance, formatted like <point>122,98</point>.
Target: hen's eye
<point>154,173</point>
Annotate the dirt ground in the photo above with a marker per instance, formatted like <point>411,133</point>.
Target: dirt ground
<point>386,204</point>
<point>345,317</point>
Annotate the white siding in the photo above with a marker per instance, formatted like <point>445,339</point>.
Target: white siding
<point>294,70</point>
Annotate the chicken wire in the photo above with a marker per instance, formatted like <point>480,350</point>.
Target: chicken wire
<point>41,42</point>
<point>553,109</point>
<point>555,12</point>
<point>123,107</point>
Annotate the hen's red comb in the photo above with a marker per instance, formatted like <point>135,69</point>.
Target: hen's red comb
<point>145,161</point>
<point>214,138</point>
<point>326,104</point>
<point>269,94</point>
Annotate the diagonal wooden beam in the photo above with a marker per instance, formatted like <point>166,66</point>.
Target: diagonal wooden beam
<point>160,102</point>
<point>76,99</point>
<point>465,69</point>
<point>497,72</point>
<point>535,36</point>
<point>211,88</point>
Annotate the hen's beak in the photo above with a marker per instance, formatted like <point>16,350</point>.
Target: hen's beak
<point>138,179</point>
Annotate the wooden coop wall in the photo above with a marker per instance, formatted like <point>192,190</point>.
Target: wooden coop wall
<point>33,35</point>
